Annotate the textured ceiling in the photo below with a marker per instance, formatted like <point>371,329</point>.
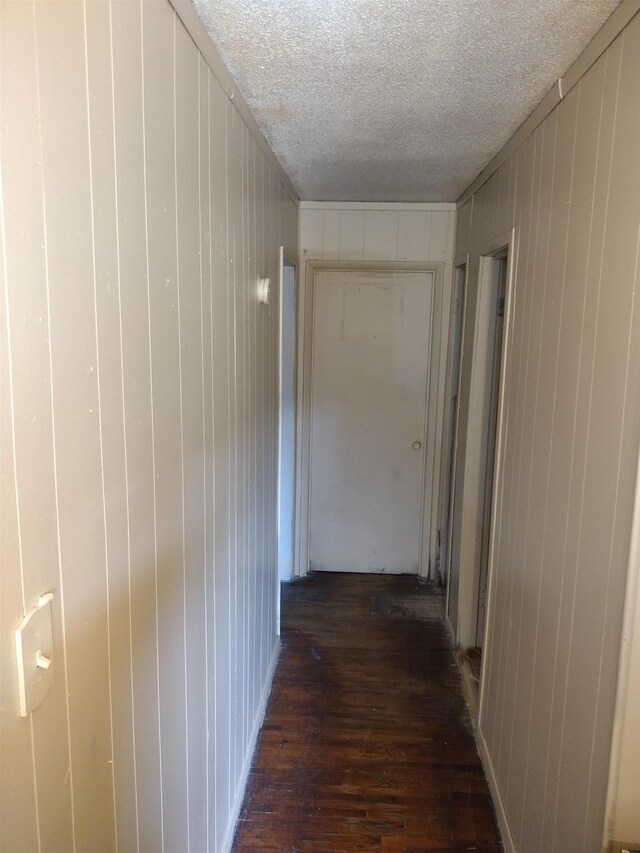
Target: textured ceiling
<point>395,100</point>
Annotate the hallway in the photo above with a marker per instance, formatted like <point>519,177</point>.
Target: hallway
<point>366,744</point>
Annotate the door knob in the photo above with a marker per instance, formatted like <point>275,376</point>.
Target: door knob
<point>416,445</point>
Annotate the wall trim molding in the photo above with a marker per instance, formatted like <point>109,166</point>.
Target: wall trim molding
<point>483,751</point>
<point>253,742</point>
<point>503,823</point>
<point>433,206</point>
<point>610,30</point>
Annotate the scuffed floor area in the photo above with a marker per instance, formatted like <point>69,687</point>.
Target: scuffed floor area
<point>367,744</point>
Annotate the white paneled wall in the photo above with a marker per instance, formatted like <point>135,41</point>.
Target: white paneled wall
<point>568,459</point>
<point>139,428</point>
<point>369,232</point>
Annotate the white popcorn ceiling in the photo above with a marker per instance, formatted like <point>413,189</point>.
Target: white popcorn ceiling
<point>395,100</point>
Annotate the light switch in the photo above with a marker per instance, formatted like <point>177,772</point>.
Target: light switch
<point>34,655</point>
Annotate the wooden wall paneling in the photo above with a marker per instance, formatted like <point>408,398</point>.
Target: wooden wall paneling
<point>234,161</point>
<point>257,506</point>
<point>252,275</point>
<point>250,304</point>
<point>248,298</point>
<point>311,236</point>
<point>107,275</point>
<point>352,234</point>
<point>451,241</point>
<point>265,598</point>
<point>270,320</point>
<point>244,445</point>
<point>533,172</point>
<point>136,211</point>
<point>262,244</point>
<point>534,470</point>
<point>187,208</point>
<point>207,457</point>
<point>551,620</point>
<point>241,285</point>
<point>75,411</point>
<point>166,412</point>
<point>532,275</point>
<point>134,317</point>
<point>221,303</point>
<point>482,205</point>
<point>291,227</point>
<point>380,234</point>
<point>463,228</point>
<point>25,296</point>
<point>331,234</point>
<point>513,185</point>
<point>536,674</point>
<point>569,658</point>
<point>18,804</point>
<point>503,213</point>
<point>214,781</point>
<point>261,174</point>
<point>414,234</point>
<point>365,234</point>
<point>533,284</point>
<point>439,236</point>
<point>620,262</point>
<point>600,590</point>
<point>572,416</point>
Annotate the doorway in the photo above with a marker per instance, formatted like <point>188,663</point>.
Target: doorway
<point>370,360</point>
<point>287,420</point>
<point>496,271</point>
<point>475,476</point>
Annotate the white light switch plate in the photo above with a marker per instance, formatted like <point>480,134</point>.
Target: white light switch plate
<point>34,655</point>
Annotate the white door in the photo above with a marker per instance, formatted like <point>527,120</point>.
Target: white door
<point>371,344</point>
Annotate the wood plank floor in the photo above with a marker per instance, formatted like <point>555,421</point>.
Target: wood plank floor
<point>367,744</point>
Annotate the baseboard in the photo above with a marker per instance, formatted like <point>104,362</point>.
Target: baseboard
<point>471,695</point>
<point>503,823</point>
<point>246,767</point>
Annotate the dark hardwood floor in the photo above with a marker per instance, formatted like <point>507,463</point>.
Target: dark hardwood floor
<point>367,744</point>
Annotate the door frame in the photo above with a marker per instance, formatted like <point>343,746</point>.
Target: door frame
<point>473,472</point>
<point>285,262</point>
<point>433,415</point>
<point>451,430</point>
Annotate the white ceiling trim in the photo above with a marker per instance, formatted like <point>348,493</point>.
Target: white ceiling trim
<point>432,206</point>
